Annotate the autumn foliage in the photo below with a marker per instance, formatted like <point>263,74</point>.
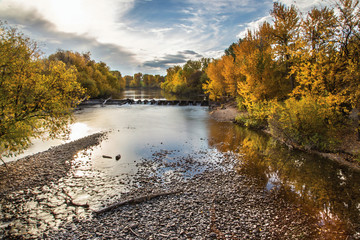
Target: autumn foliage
<point>300,74</point>
<point>37,95</point>
<point>95,78</point>
<point>186,80</point>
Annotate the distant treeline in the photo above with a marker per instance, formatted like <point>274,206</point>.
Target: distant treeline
<point>97,79</point>
<point>144,80</point>
<point>188,79</point>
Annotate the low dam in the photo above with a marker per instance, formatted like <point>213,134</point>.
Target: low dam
<point>145,101</point>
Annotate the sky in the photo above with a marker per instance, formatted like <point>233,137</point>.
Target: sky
<point>145,36</point>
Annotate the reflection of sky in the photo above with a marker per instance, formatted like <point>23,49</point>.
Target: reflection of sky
<point>78,130</point>
<point>137,131</point>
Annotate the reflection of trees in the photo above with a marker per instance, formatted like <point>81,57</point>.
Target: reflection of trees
<point>320,183</point>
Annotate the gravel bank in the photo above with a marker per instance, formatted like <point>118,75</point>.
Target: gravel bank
<point>215,204</point>
<point>212,201</point>
<point>41,168</point>
<point>225,113</point>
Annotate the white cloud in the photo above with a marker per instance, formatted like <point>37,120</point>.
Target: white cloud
<point>212,6</point>
<point>203,26</point>
<point>251,26</point>
<point>303,6</point>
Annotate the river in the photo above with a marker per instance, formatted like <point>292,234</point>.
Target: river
<point>328,190</point>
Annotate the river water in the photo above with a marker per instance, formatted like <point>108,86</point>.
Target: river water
<point>329,191</point>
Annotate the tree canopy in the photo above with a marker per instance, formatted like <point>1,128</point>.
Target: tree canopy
<point>37,95</point>
<point>187,79</point>
<point>300,72</point>
<point>95,77</point>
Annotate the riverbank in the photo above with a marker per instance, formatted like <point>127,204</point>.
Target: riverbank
<point>217,203</point>
<point>213,205</point>
<point>44,167</point>
<point>224,112</point>
<point>349,148</point>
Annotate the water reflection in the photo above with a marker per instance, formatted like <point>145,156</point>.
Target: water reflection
<point>330,189</point>
<point>145,93</point>
<point>137,131</point>
<point>157,94</point>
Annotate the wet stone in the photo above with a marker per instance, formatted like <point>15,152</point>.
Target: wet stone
<point>212,202</point>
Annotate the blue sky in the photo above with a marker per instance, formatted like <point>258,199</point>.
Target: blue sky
<point>145,36</point>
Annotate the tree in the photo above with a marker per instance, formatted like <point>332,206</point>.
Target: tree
<point>137,80</point>
<point>215,87</point>
<point>96,78</point>
<point>231,75</point>
<point>285,33</point>
<point>188,79</point>
<point>128,80</point>
<point>37,96</point>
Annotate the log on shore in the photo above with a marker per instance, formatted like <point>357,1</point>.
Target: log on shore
<point>135,201</point>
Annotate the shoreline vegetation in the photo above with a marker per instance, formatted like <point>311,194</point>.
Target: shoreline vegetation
<point>228,112</point>
<point>298,79</point>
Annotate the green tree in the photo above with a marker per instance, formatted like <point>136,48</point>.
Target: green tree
<point>37,96</point>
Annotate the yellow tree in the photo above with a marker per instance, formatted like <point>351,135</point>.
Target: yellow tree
<point>285,34</point>
<point>231,75</point>
<point>96,78</point>
<point>37,96</point>
<point>215,87</point>
<point>319,30</point>
<point>255,60</point>
<point>330,69</point>
<point>327,78</point>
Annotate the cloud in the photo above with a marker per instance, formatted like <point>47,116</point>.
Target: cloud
<point>303,6</point>
<point>50,40</point>
<point>306,5</point>
<point>172,59</point>
<point>75,16</point>
<point>136,35</point>
<point>226,6</point>
<point>251,26</point>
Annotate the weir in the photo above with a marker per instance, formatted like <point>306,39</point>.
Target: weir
<point>145,102</point>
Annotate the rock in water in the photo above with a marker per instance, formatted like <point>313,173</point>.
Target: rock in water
<point>118,157</point>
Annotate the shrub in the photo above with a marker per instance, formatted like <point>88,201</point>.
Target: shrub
<point>308,122</point>
<point>257,116</point>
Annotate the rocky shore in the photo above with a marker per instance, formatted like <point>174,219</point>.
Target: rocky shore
<point>199,200</point>
<point>224,113</point>
<point>213,205</point>
<point>39,169</point>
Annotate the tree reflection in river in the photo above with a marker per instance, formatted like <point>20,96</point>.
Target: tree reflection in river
<point>329,189</point>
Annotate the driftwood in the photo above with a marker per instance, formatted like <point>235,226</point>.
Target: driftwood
<point>103,104</point>
<point>133,232</point>
<point>70,201</point>
<point>135,201</point>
